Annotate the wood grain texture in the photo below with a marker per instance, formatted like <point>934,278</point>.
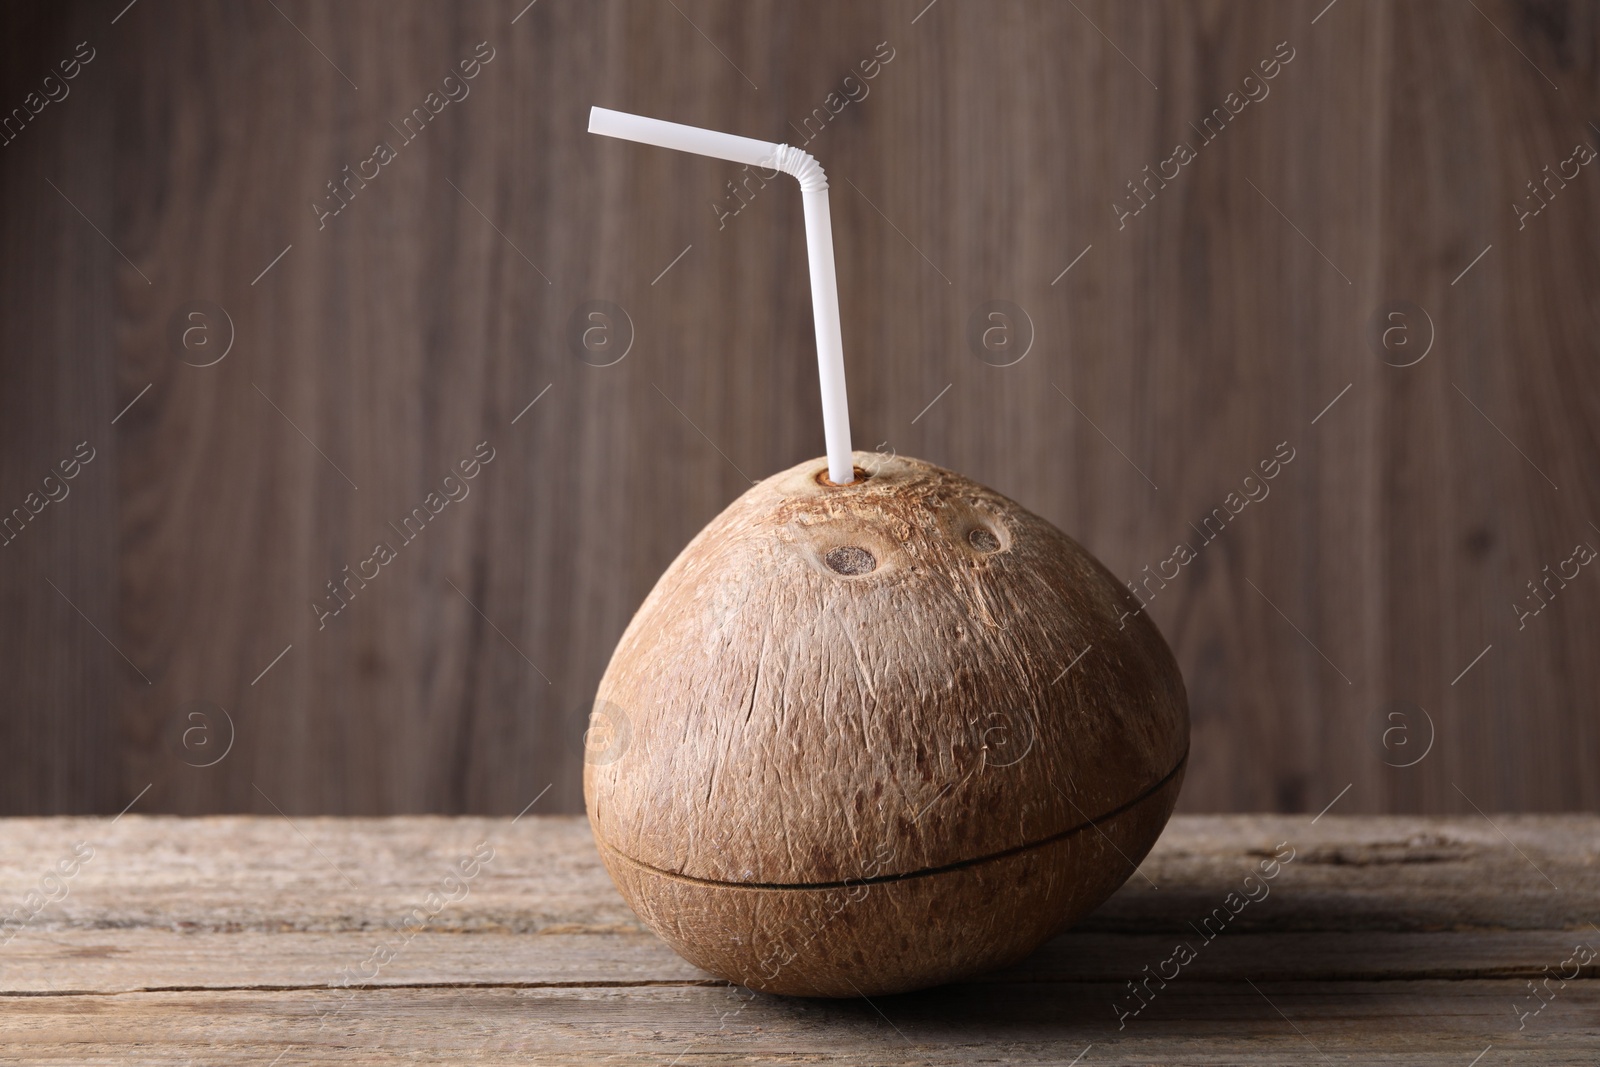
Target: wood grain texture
<point>1383,940</point>
<point>984,156</point>
<point>58,350</point>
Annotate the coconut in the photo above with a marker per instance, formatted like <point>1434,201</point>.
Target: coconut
<point>869,738</point>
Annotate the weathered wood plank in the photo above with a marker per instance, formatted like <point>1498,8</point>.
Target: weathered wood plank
<point>1385,940</point>
<point>1411,1023</point>
<point>128,961</point>
<point>324,874</point>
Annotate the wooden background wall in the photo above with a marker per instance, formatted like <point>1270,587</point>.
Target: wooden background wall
<point>1184,344</point>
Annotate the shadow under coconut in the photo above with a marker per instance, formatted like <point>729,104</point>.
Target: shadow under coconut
<point>1076,991</point>
<point>1188,956</point>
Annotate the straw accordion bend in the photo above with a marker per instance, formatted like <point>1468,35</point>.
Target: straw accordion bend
<point>800,165</point>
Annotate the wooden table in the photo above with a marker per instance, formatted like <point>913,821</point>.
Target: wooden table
<point>1384,940</point>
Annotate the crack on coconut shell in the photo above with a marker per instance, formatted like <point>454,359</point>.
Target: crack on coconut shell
<point>925,872</point>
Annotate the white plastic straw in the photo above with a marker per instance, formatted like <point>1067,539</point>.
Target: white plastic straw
<point>819,247</point>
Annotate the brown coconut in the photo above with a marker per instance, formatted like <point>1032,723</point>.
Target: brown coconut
<point>869,738</point>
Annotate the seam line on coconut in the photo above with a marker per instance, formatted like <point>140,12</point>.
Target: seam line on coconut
<point>923,872</point>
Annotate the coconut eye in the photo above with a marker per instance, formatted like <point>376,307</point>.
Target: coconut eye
<point>983,539</point>
<point>850,560</point>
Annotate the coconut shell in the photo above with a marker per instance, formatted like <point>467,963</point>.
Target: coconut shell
<point>869,738</point>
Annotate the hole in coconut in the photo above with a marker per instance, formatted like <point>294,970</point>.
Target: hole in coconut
<point>823,479</point>
<point>850,560</point>
<point>983,540</point>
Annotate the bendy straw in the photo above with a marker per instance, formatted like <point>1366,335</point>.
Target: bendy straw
<point>819,247</point>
